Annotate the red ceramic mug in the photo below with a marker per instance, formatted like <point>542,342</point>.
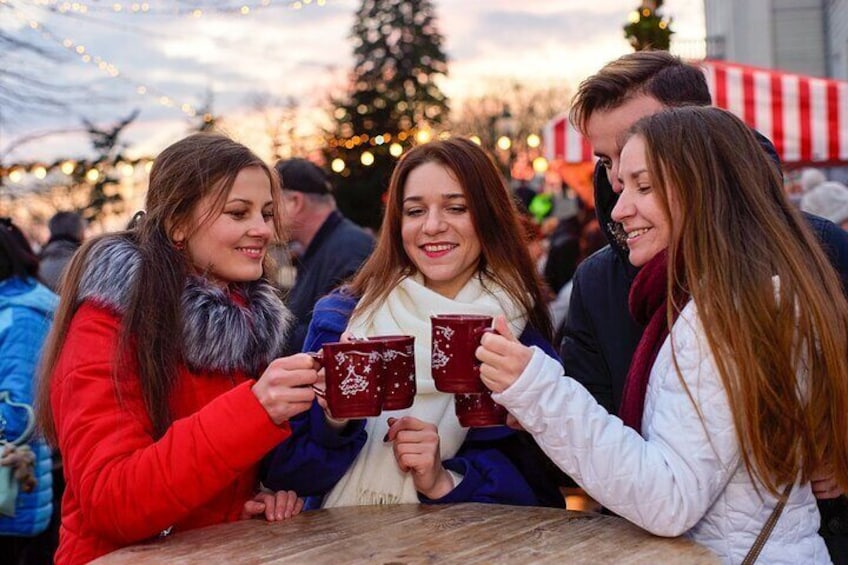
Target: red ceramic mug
<point>455,339</point>
<point>478,410</point>
<point>354,378</point>
<point>398,370</point>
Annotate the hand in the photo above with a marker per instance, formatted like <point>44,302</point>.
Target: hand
<point>320,389</point>
<point>22,459</point>
<point>416,449</point>
<point>275,506</point>
<point>512,422</point>
<point>503,357</point>
<point>824,484</point>
<point>285,388</point>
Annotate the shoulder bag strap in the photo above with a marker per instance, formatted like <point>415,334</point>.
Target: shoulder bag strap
<point>30,426</point>
<point>755,550</point>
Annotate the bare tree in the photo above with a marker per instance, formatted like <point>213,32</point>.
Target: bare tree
<point>528,110</point>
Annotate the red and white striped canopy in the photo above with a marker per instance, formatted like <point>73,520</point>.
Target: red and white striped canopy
<point>805,117</point>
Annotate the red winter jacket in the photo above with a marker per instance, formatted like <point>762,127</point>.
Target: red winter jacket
<point>124,487</point>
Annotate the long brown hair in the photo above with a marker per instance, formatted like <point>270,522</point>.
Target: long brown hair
<point>772,307</point>
<point>191,169</point>
<point>504,255</point>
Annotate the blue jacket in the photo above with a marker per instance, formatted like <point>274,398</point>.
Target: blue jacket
<point>334,254</point>
<point>26,310</point>
<point>498,465</point>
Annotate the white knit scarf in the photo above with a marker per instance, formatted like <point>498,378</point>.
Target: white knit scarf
<point>374,477</point>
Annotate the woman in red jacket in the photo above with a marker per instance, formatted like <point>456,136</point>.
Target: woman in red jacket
<point>148,383</point>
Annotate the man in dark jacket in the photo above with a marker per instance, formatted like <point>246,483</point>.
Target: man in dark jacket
<point>67,230</point>
<point>333,246</point>
<point>600,336</point>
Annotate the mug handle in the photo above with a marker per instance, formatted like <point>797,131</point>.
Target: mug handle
<point>319,357</point>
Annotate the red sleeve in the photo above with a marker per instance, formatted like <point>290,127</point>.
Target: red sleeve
<point>130,487</point>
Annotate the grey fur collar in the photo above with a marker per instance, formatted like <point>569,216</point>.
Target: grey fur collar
<point>218,334</point>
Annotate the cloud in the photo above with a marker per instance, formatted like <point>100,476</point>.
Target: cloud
<point>305,53</point>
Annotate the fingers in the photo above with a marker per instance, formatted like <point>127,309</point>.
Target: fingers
<point>407,423</point>
<point>286,502</point>
<point>502,361</point>
<point>512,422</point>
<point>502,327</point>
<point>826,488</point>
<point>285,388</point>
<point>415,444</point>
<point>273,506</point>
<point>299,369</point>
<point>252,508</point>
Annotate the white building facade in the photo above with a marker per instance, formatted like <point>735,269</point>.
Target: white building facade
<point>808,37</point>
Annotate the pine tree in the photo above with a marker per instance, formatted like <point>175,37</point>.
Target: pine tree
<point>398,55</point>
<point>647,28</point>
<point>106,143</point>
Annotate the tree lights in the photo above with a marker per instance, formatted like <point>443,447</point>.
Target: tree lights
<point>647,28</point>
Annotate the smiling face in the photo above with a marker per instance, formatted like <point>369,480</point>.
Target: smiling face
<point>604,127</point>
<point>639,209</point>
<point>437,230</point>
<point>231,246</point>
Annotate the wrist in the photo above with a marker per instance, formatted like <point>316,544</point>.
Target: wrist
<point>443,485</point>
<point>335,423</point>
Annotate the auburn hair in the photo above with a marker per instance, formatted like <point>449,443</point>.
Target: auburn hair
<point>772,307</point>
<point>185,173</point>
<point>504,256</point>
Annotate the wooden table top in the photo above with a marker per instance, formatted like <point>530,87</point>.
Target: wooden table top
<point>417,533</point>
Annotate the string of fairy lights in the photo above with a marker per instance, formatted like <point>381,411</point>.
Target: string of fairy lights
<point>26,13</point>
<point>45,172</point>
<point>112,70</point>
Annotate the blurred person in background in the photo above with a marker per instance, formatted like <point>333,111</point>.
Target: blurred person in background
<point>67,231</point>
<point>26,311</point>
<point>828,200</point>
<point>333,247</point>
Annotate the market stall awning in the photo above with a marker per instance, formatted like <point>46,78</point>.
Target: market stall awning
<point>805,117</point>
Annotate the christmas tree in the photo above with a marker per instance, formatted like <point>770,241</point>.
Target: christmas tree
<point>392,97</point>
<point>647,28</point>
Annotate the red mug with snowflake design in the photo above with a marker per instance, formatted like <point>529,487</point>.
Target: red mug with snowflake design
<point>455,339</point>
<point>478,410</point>
<point>354,378</point>
<point>398,370</point>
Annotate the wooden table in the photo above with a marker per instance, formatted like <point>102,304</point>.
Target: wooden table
<point>413,533</point>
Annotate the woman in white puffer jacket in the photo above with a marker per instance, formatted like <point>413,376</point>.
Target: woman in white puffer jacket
<point>744,401</point>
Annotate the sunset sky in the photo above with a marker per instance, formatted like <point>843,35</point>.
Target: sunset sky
<point>170,56</point>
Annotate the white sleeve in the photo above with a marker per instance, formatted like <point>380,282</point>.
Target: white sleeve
<point>664,482</point>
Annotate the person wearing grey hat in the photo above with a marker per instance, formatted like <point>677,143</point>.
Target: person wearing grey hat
<point>828,200</point>
<point>333,247</point>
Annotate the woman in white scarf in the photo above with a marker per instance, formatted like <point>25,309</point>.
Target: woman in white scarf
<point>450,243</point>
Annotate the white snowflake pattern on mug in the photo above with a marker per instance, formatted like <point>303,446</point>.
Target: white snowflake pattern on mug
<point>440,358</point>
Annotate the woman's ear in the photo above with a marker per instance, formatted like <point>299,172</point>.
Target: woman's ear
<point>177,235</point>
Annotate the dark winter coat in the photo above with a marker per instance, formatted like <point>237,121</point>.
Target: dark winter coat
<point>334,254</point>
<point>54,258</point>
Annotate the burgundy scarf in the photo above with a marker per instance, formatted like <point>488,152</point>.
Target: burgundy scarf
<point>647,302</point>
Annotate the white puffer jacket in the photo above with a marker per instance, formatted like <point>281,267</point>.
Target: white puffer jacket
<point>685,476</point>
